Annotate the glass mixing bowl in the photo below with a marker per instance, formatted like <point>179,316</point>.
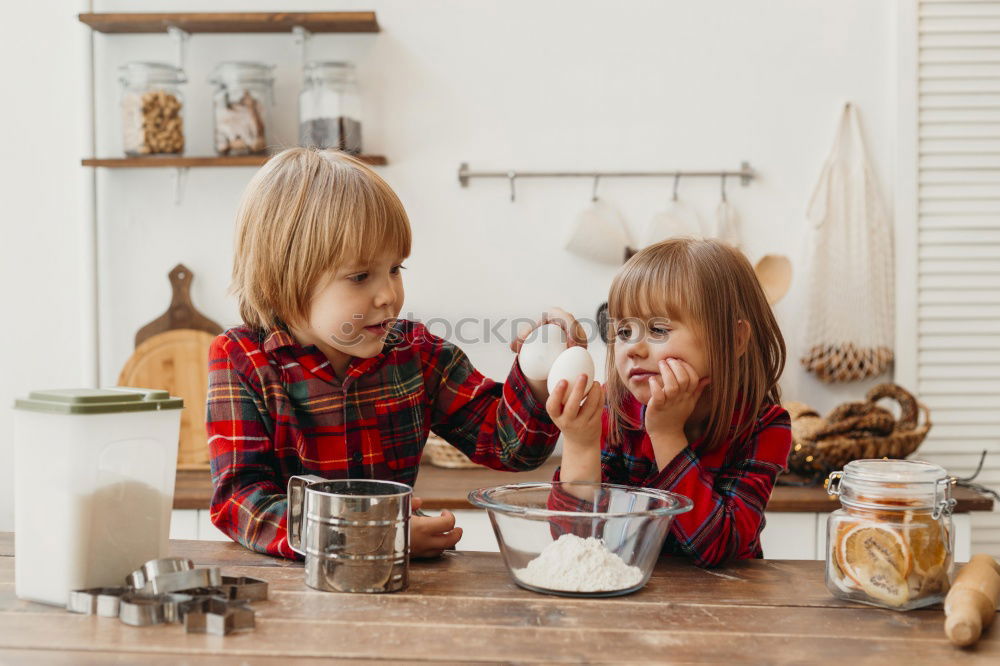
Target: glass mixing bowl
<point>579,539</point>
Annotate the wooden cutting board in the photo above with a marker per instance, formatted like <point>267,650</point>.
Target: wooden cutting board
<point>172,353</point>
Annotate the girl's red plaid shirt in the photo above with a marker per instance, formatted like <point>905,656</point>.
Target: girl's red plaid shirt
<point>730,484</point>
<point>275,409</point>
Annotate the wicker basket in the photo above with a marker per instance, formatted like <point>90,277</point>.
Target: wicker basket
<point>442,454</point>
<point>855,431</point>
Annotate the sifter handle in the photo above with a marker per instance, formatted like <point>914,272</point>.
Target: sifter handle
<point>296,508</point>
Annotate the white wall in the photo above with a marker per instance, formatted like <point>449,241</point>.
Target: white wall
<point>41,234</point>
<point>512,84</point>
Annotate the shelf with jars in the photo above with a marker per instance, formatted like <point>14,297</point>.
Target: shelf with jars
<point>152,100</point>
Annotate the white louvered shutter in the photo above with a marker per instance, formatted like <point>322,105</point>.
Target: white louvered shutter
<point>958,240</point>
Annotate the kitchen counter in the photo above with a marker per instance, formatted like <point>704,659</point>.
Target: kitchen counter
<point>447,489</point>
<point>465,607</point>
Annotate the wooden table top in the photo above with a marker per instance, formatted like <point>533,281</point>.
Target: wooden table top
<point>465,607</point>
<point>442,488</point>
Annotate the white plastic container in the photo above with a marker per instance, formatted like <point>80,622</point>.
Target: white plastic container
<point>94,477</point>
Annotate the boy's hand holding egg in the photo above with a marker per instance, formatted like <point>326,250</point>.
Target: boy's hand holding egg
<point>574,399</point>
<point>559,318</point>
<point>540,349</point>
<point>538,345</point>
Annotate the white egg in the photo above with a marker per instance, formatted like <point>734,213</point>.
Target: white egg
<point>572,363</point>
<point>540,350</point>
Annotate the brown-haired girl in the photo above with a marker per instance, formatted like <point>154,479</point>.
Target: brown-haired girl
<point>692,396</point>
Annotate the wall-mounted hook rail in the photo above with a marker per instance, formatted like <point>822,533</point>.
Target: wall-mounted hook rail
<point>745,174</point>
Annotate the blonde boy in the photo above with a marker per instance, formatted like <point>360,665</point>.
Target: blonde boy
<point>323,377</point>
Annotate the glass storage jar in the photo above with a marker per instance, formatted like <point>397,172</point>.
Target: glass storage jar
<point>152,120</point>
<point>330,107</point>
<point>244,93</point>
<point>892,542</point>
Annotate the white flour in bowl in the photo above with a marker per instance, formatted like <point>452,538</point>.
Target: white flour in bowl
<point>573,564</point>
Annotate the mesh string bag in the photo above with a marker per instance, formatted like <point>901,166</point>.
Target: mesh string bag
<point>849,324</point>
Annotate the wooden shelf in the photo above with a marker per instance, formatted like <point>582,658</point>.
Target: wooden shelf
<point>232,22</point>
<point>180,162</point>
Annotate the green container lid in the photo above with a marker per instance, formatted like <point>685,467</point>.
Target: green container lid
<point>99,401</point>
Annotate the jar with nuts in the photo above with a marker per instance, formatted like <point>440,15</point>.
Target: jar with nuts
<point>152,119</point>
<point>243,96</point>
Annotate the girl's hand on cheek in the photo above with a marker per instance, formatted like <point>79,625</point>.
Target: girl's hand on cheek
<point>673,397</point>
<point>432,535</point>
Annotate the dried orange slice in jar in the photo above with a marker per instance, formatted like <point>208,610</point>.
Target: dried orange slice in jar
<point>838,577</point>
<point>927,540</point>
<point>878,559</point>
<point>930,545</point>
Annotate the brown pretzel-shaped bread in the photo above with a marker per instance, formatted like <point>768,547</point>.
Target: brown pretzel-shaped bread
<point>858,417</point>
<point>907,403</point>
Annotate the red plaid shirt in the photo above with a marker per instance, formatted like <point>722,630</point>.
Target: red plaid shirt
<point>275,409</point>
<point>730,485</point>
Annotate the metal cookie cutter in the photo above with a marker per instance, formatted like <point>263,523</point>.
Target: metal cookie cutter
<point>103,601</point>
<point>202,592</point>
<point>244,588</point>
<point>175,606</point>
<point>141,578</point>
<point>139,610</point>
<point>185,580</point>
<point>218,616</point>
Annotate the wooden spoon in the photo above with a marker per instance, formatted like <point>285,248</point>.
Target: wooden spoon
<point>775,274</point>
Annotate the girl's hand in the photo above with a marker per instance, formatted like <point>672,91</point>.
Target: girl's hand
<point>432,535</point>
<point>580,426</point>
<point>671,403</point>
<point>581,429</point>
<point>575,335</point>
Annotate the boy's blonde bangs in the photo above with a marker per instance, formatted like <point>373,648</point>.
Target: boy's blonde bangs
<point>305,213</point>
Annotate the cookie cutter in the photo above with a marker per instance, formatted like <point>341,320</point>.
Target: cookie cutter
<point>234,588</point>
<point>244,588</point>
<point>189,579</point>
<point>103,601</point>
<point>171,589</point>
<point>141,578</point>
<point>201,592</point>
<point>213,615</point>
<point>142,610</point>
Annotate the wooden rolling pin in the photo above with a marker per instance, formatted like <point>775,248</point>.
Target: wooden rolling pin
<point>972,602</point>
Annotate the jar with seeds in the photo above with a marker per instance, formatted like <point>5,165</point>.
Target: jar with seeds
<point>330,107</point>
<point>152,104</point>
